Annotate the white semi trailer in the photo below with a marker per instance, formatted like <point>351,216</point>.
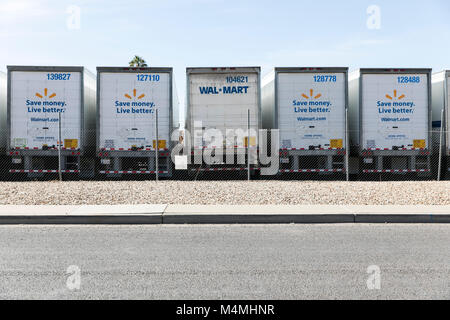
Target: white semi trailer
<point>441,117</point>
<point>3,124</point>
<point>50,120</point>
<point>223,117</point>
<point>390,120</point>
<point>308,106</point>
<point>129,103</point>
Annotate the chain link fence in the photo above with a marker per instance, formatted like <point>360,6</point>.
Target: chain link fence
<point>249,155</point>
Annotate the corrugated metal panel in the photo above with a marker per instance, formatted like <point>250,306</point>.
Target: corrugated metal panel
<point>3,126</point>
<point>447,111</point>
<point>89,110</point>
<point>268,101</point>
<point>219,98</point>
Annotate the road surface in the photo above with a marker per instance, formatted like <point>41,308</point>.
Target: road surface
<point>225,262</point>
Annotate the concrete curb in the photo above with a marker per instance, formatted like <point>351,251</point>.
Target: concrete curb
<point>402,218</point>
<point>82,214</point>
<point>73,219</point>
<point>226,218</point>
<point>221,214</point>
<point>191,214</point>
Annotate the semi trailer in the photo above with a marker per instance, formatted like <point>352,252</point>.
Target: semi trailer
<point>441,119</point>
<point>223,118</point>
<point>390,120</point>
<point>137,111</point>
<point>309,107</point>
<point>3,126</point>
<point>50,120</point>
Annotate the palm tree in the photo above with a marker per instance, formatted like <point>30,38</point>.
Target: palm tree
<point>138,62</point>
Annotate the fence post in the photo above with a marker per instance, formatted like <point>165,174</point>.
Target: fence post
<point>441,135</point>
<point>248,144</point>
<point>59,147</point>
<point>156,146</point>
<point>347,147</point>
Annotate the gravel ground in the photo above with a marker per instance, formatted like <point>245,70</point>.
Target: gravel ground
<point>226,192</point>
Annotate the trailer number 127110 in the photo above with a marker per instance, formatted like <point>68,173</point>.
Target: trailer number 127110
<point>148,77</point>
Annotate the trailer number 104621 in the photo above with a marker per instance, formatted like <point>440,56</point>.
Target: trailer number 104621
<point>237,79</point>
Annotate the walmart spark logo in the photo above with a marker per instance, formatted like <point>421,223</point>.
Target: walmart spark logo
<point>395,96</point>
<point>134,95</point>
<point>45,94</point>
<point>311,95</point>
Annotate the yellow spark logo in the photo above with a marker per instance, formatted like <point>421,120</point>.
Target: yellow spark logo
<point>134,95</point>
<point>395,96</point>
<point>45,94</point>
<point>311,95</point>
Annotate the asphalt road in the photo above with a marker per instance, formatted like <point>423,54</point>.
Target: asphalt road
<point>225,261</point>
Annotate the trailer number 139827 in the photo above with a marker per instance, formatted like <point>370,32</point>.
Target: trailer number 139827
<point>58,76</point>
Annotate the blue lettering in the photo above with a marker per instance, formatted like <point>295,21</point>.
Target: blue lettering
<point>208,90</point>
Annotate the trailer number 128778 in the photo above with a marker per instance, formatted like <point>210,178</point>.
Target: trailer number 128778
<point>325,78</point>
